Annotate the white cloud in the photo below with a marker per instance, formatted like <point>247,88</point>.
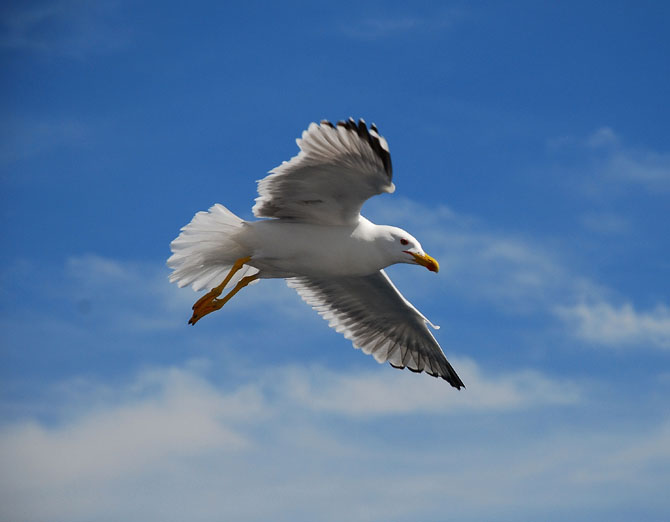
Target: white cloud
<point>606,324</point>
<point>630,459</point>
<point>295,441</point>
<point>174,444</point>
<point>392,393</point>
<point>131,431</point>
<point>161,416</point>
<point>169,412</point>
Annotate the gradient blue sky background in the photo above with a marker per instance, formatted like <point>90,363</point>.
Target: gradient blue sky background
<point>531,150</point>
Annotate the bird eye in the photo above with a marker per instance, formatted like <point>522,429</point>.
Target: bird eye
<point>403,241</point>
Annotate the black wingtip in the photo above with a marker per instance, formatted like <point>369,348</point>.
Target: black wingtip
<point>452,378</point>
<point>374,139</point>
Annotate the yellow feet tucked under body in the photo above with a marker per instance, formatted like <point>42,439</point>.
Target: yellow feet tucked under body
<point>209,303</point>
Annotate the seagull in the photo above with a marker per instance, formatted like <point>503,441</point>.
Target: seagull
<point>314,237</point>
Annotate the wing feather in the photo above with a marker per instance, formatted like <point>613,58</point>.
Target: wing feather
<point>374,315</point>
<point>338,168</point>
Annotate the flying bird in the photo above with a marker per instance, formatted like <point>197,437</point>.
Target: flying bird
<point>315,237</point>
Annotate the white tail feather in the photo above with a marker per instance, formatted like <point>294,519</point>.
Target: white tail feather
<point>206,249</point>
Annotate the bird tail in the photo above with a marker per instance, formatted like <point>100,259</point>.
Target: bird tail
<point>206,249</point>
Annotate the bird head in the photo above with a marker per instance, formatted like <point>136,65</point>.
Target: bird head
<point>406,249</point>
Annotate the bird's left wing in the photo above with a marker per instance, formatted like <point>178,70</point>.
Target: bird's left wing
<point>338,168</point>
<point>376,317</point>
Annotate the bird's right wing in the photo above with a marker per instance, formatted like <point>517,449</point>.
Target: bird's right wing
<point>374,315</point>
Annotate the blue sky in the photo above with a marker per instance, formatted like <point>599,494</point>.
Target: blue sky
<point>531,152</point>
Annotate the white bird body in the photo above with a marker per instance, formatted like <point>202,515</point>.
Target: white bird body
<point>315,238</point>
<point>282,248</point>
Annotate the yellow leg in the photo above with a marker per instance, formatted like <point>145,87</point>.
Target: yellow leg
<point>209,303</point>
<point>214,304</point>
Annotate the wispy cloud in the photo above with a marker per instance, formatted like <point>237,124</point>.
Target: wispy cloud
<point>382,26</point>
<point>602,137</point>
<point>519,275</point>
<point>140,297</point>
<point>606,223</point>
<point>605,162</point>
<point>132,295</point>
<point>510,271</point>
<point>649,169</point>
<point>610,325</point>
<point>20,138</point>
<point>135,295</point>
<point>71,28</point>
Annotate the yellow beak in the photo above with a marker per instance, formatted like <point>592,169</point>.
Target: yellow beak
<point>425,260</point>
